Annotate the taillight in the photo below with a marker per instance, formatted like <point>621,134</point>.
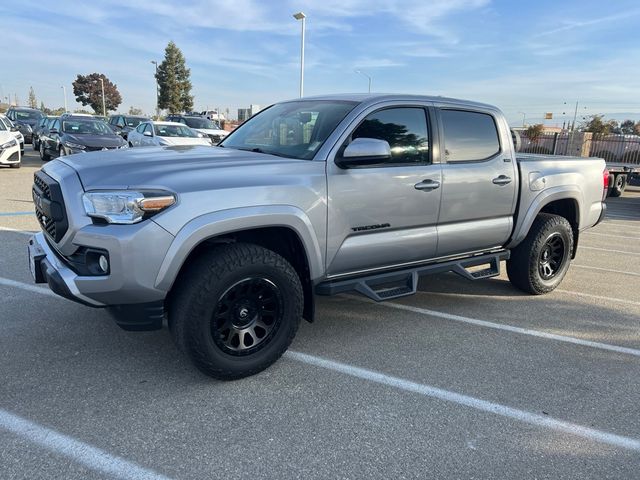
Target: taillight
<point>605,183</point>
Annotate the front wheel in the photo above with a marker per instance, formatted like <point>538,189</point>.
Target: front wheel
<point>44,156</point>
<point>541,261</point>
<point>34,144</point>
<point>236,310</point>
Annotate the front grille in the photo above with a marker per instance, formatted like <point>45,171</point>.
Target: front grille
<point>97,149</point>
<point>49,205</point>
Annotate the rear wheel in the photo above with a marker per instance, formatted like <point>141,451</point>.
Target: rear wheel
<point>541,261</point>
<point>236,309</point>
<point>619,184</point>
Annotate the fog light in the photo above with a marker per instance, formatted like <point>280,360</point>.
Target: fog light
<point>103,263</point>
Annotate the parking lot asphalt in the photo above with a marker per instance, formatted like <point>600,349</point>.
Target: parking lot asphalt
<point>462,380</point>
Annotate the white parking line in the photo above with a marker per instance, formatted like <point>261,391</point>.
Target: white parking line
<point>622,272</point>
<point>503,327</point>
<point>599,297</point>
<point>91,457</point>
<point>468,401</point>
<point>610,235</point>
<point>580,247</point>
<point>619,216</point>
<point>25,286</point>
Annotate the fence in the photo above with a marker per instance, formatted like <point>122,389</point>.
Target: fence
<point>613,148</point>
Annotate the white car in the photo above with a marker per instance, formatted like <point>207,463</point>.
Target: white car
<point>201,124</point>
<point>165,133</point>
<point>8,124</point>
<point>9,148</point>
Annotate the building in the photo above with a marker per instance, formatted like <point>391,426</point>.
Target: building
<point>245,114</point>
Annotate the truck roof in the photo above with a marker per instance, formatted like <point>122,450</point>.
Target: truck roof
<point>378,97</point>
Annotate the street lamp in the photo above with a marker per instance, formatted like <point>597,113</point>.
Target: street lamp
<point>157,90</point>
<point>575,115</point>
<point>104,109</point>
<point>365,75</point>
<point>301,16</point>
<point>64,92</point>
<point>524,118</point>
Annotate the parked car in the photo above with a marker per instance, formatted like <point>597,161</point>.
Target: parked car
<point>37,131</point>
<point>200,124</point>
<point>319,195</point>
<point>151,133</point>
<point>25,119</point>
<point>123,124</point>
<point>69,135</point>
<point>10,126</point>
<point>9,147</point>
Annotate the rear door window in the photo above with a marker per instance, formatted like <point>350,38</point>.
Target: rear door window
<point>469,136</point>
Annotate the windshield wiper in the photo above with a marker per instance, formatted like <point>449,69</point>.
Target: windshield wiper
<point>259,150</point>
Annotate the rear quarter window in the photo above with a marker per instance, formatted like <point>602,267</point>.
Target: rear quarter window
<point>469,136</point>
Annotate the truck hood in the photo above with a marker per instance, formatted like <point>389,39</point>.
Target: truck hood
<point>176,168</point>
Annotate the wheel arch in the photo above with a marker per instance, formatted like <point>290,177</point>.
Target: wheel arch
<point>289,234</point>
<point>565,203</point>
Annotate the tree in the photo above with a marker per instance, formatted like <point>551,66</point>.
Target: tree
<point>42,107</point>
<point>534,132</point>
<point>88,91</point>
<point>135,111</point>
<point>174,81</point>
<point>597,125</point>
<point>33,103</point>
<point>628,127</point>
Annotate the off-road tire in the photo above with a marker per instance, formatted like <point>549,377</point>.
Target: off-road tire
<point>523,268</point>
<point>203,284</point>
<point>619,184</point>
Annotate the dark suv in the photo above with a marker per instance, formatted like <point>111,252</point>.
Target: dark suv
<point>123,124</point>
<point>26,119</point>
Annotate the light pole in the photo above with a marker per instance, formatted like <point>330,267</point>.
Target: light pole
<point>524,118</point>
<point>64,91</point>
<point>157,90</point>
<point>301,16</point>
<point>365,75</point>
<point>575,115</point>
<point>104,109</point>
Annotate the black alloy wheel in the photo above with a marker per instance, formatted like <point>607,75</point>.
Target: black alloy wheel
<point>552,256</point>
<point>246,315</point>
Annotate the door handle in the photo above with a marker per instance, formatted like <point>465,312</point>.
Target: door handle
<point>502,180</point>
<point>427,185</point>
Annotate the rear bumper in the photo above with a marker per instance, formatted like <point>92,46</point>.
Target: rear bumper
<point>603,214</point>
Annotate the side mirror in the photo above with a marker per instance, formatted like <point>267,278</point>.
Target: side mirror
<point>363,152</point>
<point>147,134</point>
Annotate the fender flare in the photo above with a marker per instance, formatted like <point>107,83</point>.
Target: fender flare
<point>524,222</point>
<point>233,220</point>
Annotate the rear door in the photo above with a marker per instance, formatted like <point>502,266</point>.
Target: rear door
<point>479,181</point>
<point>382,215</point>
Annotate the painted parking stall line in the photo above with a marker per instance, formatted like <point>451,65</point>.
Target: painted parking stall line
<point>504,327</point>
<point>607,250</point>
<point>530,418</point>
<point>7,282</point>
<point>16,214</point>
<point>610,270</point>
<point>82,453</point>
<point>609,235</point>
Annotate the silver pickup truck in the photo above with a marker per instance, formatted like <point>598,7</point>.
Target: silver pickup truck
<point>314,196</point>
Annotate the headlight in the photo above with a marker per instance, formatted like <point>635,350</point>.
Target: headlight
<point>126,206</point>
<point>9,144</point>
<point>75,146</point>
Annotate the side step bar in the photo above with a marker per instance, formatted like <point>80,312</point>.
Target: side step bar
<point>389,285</point>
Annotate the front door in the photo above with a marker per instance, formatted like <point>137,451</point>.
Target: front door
<point>385,214</point>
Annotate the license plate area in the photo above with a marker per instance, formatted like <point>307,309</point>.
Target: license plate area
<point>36,255</point>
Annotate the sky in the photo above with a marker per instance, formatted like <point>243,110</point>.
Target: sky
<point>527,58</point>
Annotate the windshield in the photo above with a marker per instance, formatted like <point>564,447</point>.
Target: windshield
<point>174,131</point>
<point>86,127</point>
<point>3,126</point>
<point>204,123</point>
<point>292,129</point>
<point>134,121</point>
<point>27,115</point>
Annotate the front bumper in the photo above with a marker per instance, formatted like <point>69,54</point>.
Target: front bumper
<point>128,291</point>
